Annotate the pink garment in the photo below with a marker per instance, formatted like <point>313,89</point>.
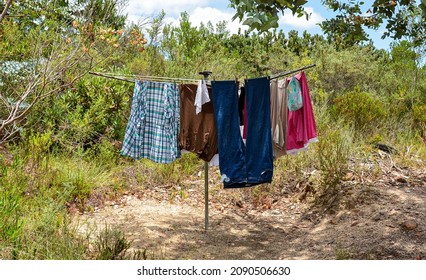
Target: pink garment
<point>301,126</point>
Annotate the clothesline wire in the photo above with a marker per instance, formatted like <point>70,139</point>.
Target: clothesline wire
<point>282,74</point>
<point>111,77</point>
<point>150,77</point>
<point>122,77</point>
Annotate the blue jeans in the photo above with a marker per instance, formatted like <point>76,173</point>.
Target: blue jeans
<point>251,164</point>
<point>259,155</point>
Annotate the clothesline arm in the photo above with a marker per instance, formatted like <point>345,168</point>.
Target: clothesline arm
<point>111,77</point>
<point>150,78</point>
<point>282,74</point>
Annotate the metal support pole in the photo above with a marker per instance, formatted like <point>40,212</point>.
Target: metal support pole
<point>206,75</point>
<point>206,195</point>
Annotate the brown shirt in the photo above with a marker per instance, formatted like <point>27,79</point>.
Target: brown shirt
<point>197,133</point>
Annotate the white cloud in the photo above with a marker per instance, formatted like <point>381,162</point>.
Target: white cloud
<point>204,15</point>
<point>202,11</point>
<point>301,22</point>
<point>137,8</point>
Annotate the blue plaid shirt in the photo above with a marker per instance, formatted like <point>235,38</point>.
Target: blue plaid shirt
<point>153,127</point>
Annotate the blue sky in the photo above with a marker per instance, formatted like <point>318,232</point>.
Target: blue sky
<point>218,10</point>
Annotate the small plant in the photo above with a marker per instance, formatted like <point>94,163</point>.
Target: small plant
<point>38,149</point>
<point>11,221</point>
<point>343,254</point>
<point>419,115</point>
<point>111,244</point>
<point>333,152</point>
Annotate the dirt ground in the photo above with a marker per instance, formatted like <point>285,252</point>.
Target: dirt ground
<point>380,219</point>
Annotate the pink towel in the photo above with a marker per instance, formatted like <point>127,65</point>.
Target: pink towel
<point>301,126</point>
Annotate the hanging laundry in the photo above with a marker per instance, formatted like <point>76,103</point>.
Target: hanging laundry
<point>202,96</point>
<point>197,132</point>
<point>231,147</point>
<point>301,127</point>
<point>244,165</point>
<point>294,95</point>
<point>153,127</point>
<point>214,161</point>
<point>259,156</point>
<point>241,105</point>
<point>279,117</point>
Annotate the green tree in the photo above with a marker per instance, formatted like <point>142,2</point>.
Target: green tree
<point>47,46</point>
<point>402,18</point>
<point>347,27</point>
<point>263,15</point>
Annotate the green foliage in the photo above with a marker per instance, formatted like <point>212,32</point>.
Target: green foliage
<point>83,116</point>
<point>340,71</point>
<point>38,148</point>
<point>67,156</point>
<point>111,244</point>
<point>343,254</point>
<point>262,15</point>
<point>333,152</point>
<point>361,110</point>
<point>403,18</point>
<point>32,13</point>
<point>151,174</point>
<point>188,48</point>
<point>101,12</point>
<point>34,199</point>
<point>11,221</point>
<point>104,152</point>
<point>419,116</point>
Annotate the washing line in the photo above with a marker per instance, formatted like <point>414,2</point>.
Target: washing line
<point>124,77</point>
<point>206,75</point>
<point>282,74</point>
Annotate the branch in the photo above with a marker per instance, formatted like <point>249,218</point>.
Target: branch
<point>46,79</point>
<point>8,135</point>
<point>49,73</point>
<point>4,13</point>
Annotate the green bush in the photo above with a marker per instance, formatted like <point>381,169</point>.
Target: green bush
<point>105,153</point>
<point>419,115</point>
<point>340,71</point>
<point>96,109</point>
<point>11,221</point>
<point>360,110</point>
<point>332,152</point>
<point>35,199</point>
<point>39,149</point>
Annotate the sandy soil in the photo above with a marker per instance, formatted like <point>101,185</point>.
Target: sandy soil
<point>382,218</point>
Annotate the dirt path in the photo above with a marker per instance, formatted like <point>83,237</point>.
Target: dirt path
<point>386,220</point>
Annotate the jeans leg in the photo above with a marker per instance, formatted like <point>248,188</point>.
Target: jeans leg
<point>232,162</point>
<point>259,155</point>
